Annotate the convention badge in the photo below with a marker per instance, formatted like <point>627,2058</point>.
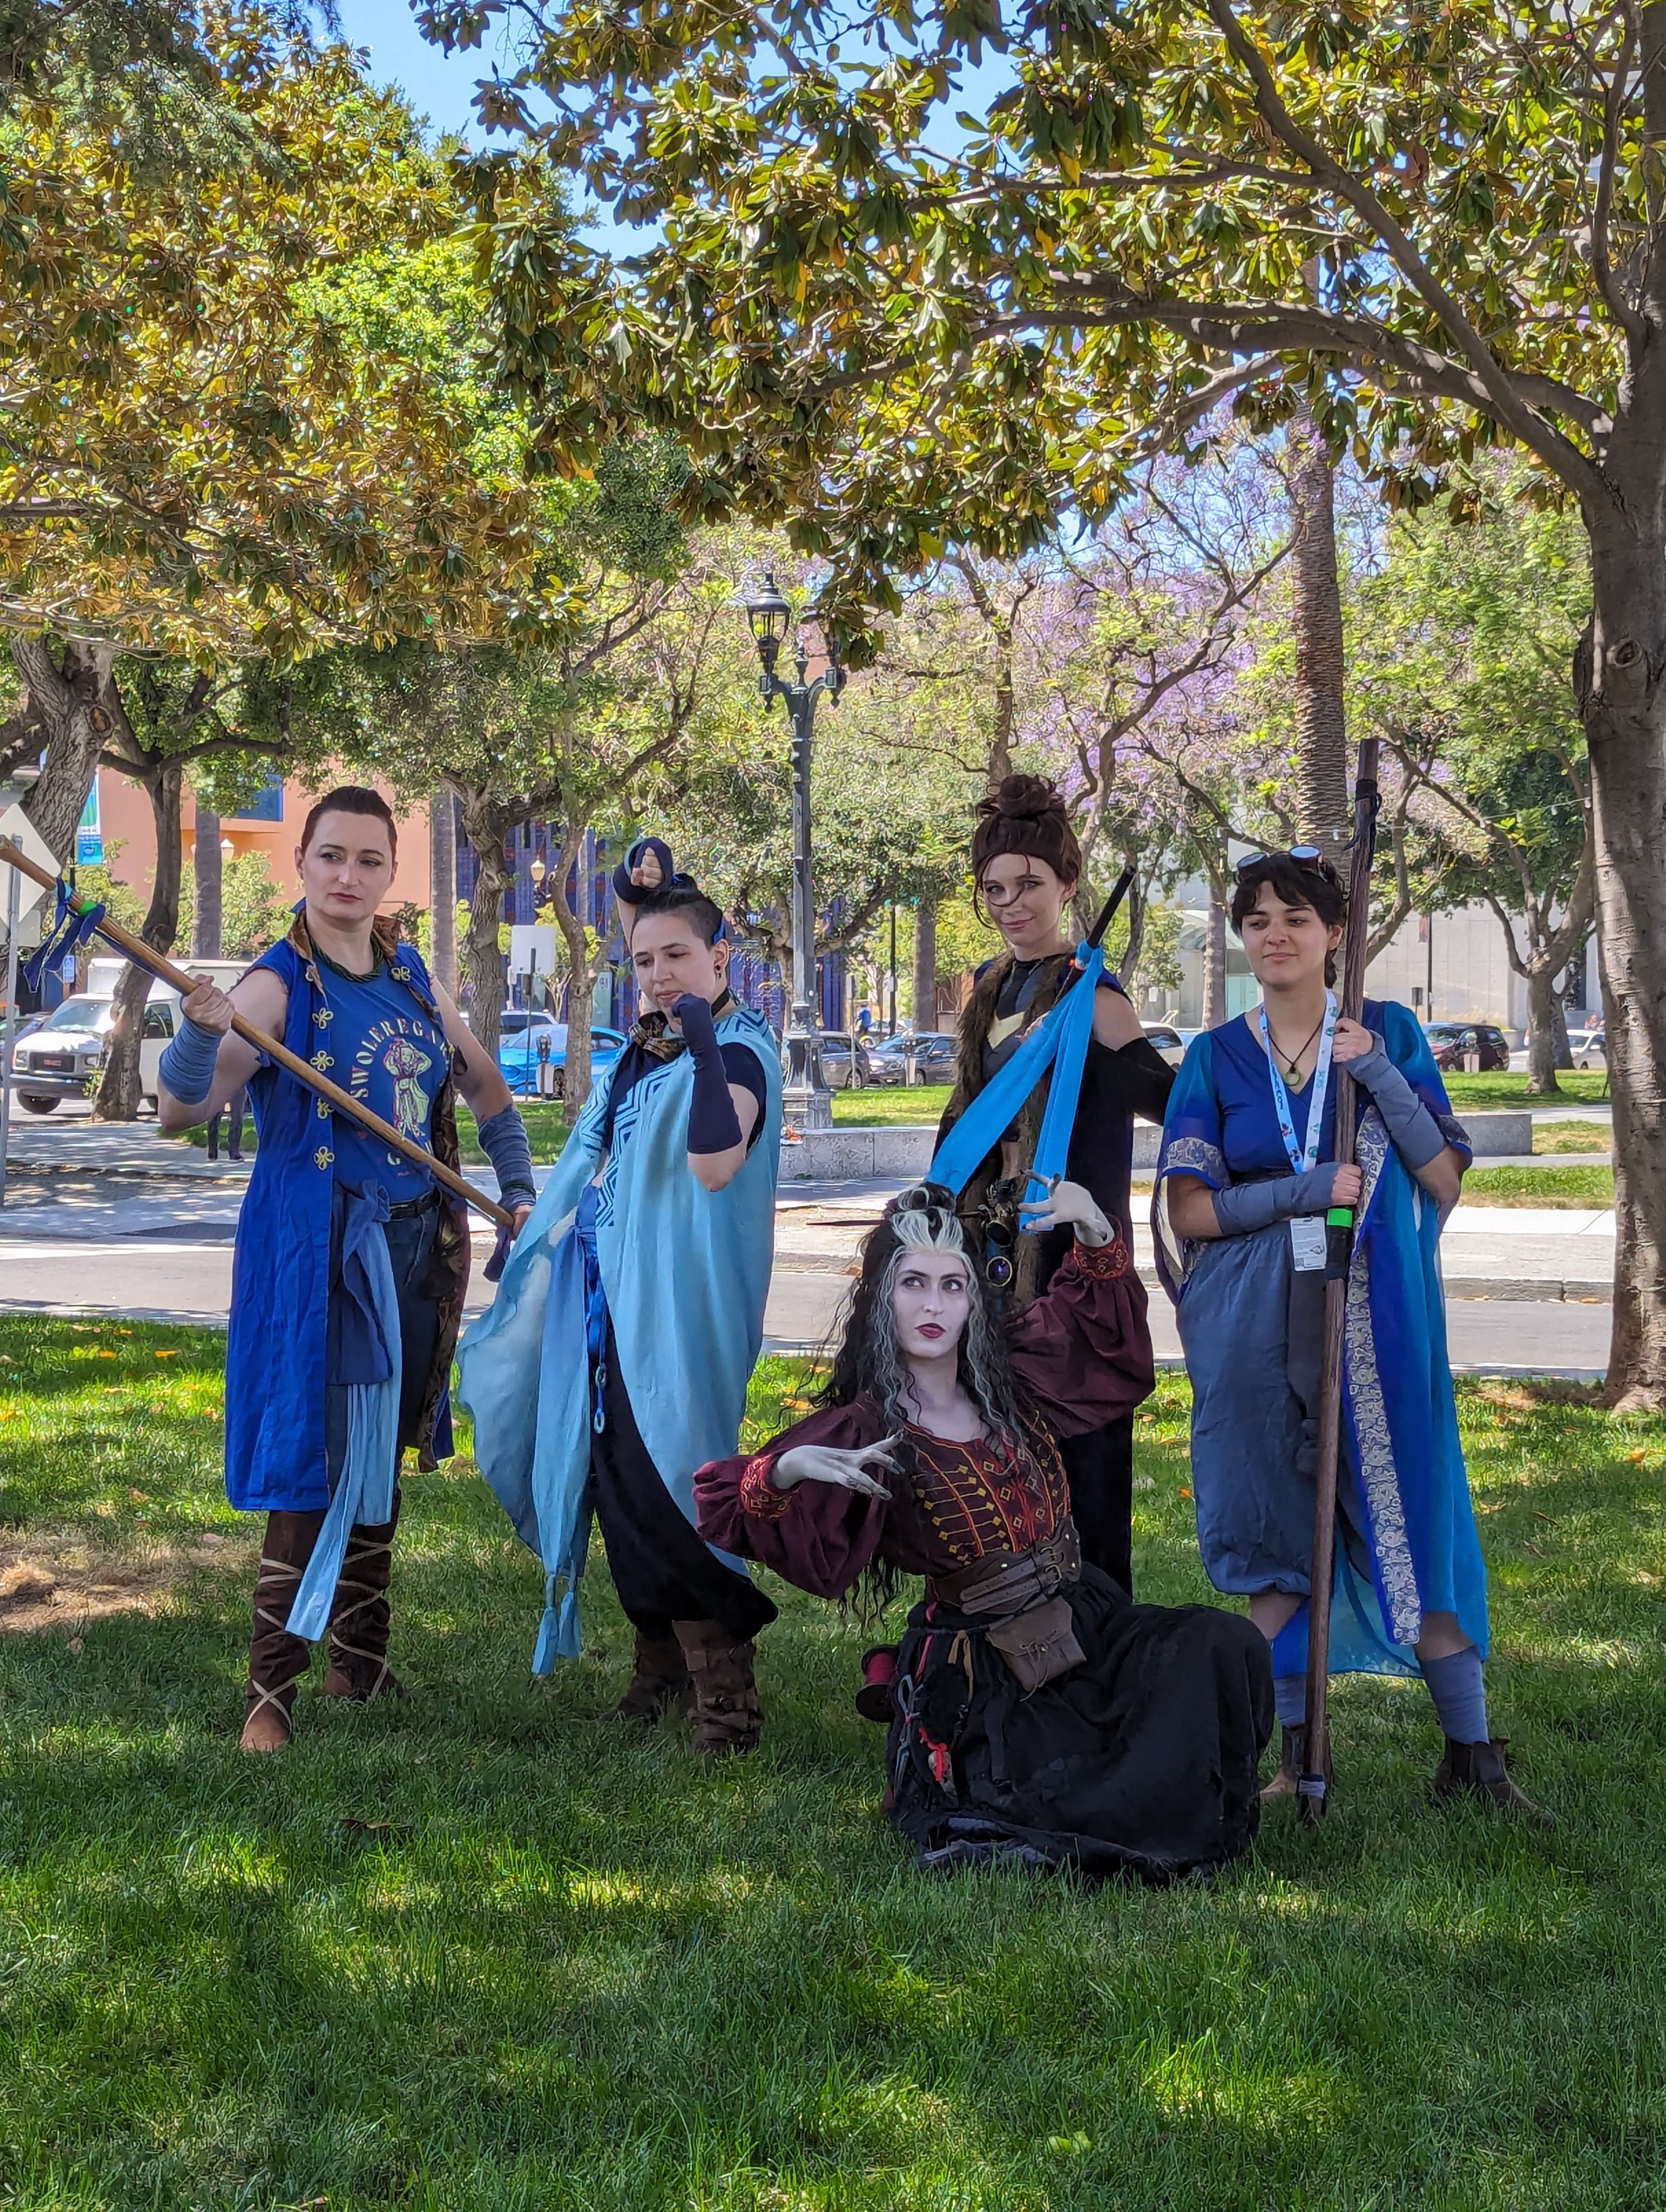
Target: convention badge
<point>1307,1241</point>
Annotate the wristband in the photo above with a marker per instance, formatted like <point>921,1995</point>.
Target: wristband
<point>186,1066</point>
<point>503,1140</point>
<point>633,893</point>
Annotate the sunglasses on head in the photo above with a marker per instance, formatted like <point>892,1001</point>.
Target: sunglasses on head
<point>1304,856</point>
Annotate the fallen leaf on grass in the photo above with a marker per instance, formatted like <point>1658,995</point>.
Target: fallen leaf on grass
<point>358,1828</point>
<point>1184,1492</point>
<point>161,1355</point>
<point>104,1355</point>
<point>76,1645</point>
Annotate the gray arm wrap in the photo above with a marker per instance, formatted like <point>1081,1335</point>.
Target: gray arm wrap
<point>503,1140</point>
<point>1415,1133</point>
<point>1243,1207</point>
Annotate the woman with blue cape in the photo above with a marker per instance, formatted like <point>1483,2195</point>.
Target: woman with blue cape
<point>352,1261</point>
<point>1247,1171</point>
<point>616,1356</point>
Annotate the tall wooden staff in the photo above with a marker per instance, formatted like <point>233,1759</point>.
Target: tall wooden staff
<point>143,955</point>
<point>1313,1783</point>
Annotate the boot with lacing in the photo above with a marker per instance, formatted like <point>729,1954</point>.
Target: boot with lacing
<point>361,1616</point>
<point>659,1684</point>
<point>1479,1772</point>
<point>277,1660</point>
<point>728,1718</point>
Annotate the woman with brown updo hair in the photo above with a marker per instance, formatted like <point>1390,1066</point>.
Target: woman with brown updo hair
<point>1026,867</point>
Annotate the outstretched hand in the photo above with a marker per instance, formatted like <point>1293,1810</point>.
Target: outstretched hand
<point>856,1470</point>
<point>1068,1204</point>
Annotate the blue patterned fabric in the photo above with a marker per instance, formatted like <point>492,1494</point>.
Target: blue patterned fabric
<point>685,1272</point>
<point>1406,1541</point>
<point>276,1345</point>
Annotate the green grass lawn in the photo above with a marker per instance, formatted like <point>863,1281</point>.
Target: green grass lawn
<point>1550,1137</point>
<point>1578,1086</point>
<point>478,1950</point>
<point>1563,1186</point>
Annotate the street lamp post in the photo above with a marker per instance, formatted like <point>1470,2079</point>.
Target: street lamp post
<point>806,1102</point>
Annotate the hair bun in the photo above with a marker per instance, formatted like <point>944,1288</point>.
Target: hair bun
<point>1027,797</point>
<point>1026,815</point>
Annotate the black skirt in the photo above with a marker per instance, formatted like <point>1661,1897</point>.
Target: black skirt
<point>1140,1760</point>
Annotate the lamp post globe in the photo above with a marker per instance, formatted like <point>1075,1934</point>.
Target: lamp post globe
<point>807,1100</point>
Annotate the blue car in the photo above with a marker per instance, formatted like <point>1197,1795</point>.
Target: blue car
<point>531,1044</point>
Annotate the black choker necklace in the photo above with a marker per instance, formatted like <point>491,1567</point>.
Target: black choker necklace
<point>1295,1058</point>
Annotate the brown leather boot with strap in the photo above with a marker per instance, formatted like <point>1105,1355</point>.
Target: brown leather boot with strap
<point>359,1616</point>
<point>1478,1770</point>
<point>728,1718</point>
<point>659,1683</point>
<point>277,1660</point>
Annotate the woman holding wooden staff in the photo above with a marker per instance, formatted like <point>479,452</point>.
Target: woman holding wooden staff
<point>1246,1174</point>
<point>352,1258</point>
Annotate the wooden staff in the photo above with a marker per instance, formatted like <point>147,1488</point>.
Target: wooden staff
<point>143,955</point>
<point>1313,1784</point>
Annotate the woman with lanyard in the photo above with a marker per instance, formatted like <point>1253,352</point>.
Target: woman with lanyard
<point>1026,866</point>
<point>1248,1170</point>
<point>347,1287</point>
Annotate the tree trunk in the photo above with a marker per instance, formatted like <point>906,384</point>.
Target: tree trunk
<point>1542,1002</point>
<point>1561,1050</point>
<point>1129,967</point>
<point>1322,769</point>
<point>72,699</point>
<point>485,970</point>
<point>925,966</point>
<point>1619,679</point>
<point>580,983</point>
<point>118,1088</point>
<point>1214,959</point>
<point>208,910</point>
<point>442,888</point>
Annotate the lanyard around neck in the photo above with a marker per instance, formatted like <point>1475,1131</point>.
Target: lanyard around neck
<point>1302,1158</point>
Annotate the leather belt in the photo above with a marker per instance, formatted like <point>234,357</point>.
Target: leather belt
<point>1006,1583</point>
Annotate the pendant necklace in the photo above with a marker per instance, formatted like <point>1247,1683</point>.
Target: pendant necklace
<point>1295,1058</point>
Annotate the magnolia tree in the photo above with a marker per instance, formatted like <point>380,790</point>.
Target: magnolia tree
<point>1438,230</point>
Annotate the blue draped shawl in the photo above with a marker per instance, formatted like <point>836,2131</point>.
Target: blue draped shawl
<point>1404,1495</point>
<point>686,1272</point>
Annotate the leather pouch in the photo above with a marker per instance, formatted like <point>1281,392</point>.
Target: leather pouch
<point>1039,1644</point>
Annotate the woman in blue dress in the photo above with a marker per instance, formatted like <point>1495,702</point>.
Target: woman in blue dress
<point>1248,1168</point>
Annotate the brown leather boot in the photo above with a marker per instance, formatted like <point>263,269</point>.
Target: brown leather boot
<point>1478,1770</point>
<point>728,1718</point>
<point>1292,1756</point>
<point>277,1660</point>
<point>659,1683</point>
<point>360,1615</point>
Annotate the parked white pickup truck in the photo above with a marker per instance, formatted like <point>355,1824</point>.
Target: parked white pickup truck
<point>63,1058</point>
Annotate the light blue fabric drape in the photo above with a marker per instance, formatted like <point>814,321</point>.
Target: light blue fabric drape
<point>1059,1041</point>
<point>686,1272</point>
<point>364,1488</point>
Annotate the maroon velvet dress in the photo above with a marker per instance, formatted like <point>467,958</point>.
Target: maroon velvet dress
<point>1140,1758</point>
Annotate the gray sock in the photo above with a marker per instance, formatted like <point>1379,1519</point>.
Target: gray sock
<point>1290,1699</point>
<point>1459,1692</point>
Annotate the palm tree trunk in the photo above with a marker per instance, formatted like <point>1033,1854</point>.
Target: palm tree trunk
<point>208,907</point>
<point>1322,769</point>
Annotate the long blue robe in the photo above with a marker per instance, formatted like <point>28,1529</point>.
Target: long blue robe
<point>275,1348</point>
<point>686,1272</point>
<point>1407,1543</point>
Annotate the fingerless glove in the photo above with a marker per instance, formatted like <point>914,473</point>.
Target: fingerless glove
<point>1412,1129</point>
<point>1243,1207</point>
<point>714,1124</point>
<point>503,1140</point>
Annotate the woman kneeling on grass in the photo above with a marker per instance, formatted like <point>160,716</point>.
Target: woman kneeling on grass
<point>1038,1714</point>
<point>1248,1170</point>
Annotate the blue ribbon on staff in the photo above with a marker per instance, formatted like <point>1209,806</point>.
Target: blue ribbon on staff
<point>1058,1042</point>
<point>71,927</point>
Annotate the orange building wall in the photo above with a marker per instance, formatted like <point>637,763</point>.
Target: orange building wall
<point>124,820</point>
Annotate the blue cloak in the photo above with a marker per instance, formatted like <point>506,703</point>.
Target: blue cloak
<point>686,1272</point>
<point>1406,1541</point>
<point>280,1290</point>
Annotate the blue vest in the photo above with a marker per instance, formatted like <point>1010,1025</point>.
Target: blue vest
<point>280,1290</point>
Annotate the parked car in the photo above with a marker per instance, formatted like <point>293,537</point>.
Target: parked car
<point>836,1046</point>
<point>530,1042</point>
<point>1590,1047</point>
<point>933,1059</point>
<point>1451,1043</point>
<point>1171,1041</point>
<point>62,1058</point>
